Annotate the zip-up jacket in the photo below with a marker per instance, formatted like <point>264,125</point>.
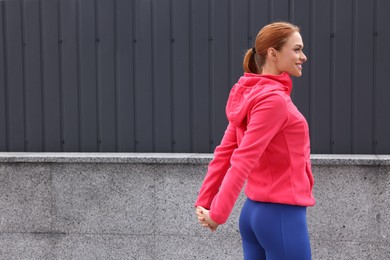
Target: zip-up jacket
<point>266,145</point>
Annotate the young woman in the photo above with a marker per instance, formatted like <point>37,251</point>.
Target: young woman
<point>266,145</point>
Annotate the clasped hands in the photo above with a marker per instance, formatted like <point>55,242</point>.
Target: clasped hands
<point>204,219</point>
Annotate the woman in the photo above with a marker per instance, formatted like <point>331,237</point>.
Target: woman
<point>266,145</point>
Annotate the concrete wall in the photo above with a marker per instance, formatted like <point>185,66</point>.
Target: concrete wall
<point>139,206</point>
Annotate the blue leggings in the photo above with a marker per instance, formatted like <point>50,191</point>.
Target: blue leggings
<point>274,231</point>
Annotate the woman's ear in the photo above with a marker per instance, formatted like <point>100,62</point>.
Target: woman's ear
<point>272,54</point>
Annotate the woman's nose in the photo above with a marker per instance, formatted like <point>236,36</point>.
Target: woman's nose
<point>303,57</point>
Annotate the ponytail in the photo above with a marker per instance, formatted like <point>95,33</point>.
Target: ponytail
<point>249,63</point>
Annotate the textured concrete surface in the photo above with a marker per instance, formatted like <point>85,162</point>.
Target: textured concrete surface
<point>140,206</point>
<point>351,218</point>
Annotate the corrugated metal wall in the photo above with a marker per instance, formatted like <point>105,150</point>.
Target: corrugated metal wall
<point>154,75</point>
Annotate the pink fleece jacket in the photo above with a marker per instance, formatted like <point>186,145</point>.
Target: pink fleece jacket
<point>266,145</point>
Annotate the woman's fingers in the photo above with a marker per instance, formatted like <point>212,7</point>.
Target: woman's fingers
<point>204,218</point>
<point>199,214</point>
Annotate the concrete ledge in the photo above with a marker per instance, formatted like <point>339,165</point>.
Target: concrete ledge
<point>172,158</point>
<point>345,159</point>
<point>140,206</point>
<point>139,158</point>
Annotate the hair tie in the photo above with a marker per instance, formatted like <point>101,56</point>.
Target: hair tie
<point>253,50</point>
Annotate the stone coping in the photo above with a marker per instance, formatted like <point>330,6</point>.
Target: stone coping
<point>172,158</point>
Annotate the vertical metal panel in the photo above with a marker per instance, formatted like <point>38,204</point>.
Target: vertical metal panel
<point>363,77</point>
<point>320,76</point>
<point>238,37</point>
<point>162,75</point>
<point>144,79</point>
<point>51,76</point>
<point>88,76</point>
<point>219,69</point>
<point>302,86</point>
<point>3,74</point>
<point>259,16</point>
<point>33,79</point>
<point>381,85</point>
<point>69,75</point>
<point>15,76</point>
<point>200,75</point>
<point>125,75</point>
<point>280,10</point>
<point>342,75</point>
<point>106,72</point>
<point>181,75</point>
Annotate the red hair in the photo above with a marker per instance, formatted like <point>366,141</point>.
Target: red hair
<point>273,35</point>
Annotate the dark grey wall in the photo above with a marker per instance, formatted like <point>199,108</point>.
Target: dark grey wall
<point>154,75</point>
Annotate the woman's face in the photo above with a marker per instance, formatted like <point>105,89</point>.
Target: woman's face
<point>291,57</point>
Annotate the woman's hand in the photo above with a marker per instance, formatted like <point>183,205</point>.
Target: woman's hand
<point>204,218</point>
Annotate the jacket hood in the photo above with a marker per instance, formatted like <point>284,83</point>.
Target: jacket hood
<point>249,88</point>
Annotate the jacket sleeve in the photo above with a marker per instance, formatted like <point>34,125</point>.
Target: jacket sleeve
<point>265,121</point>
<point>217,168</point>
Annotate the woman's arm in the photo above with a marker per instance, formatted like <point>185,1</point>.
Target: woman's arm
<point>217,168</point>
<point>266,119</point>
